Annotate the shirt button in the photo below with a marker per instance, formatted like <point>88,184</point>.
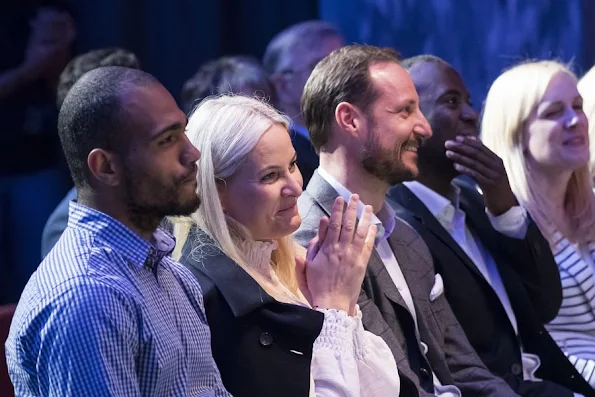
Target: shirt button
<point>516,369</point>
<point>266,339</point>
<point>424,372</point>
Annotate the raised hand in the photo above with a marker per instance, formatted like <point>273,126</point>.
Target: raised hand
<point>473,158</point>
<point>337,257</point>
<point>48,48</point>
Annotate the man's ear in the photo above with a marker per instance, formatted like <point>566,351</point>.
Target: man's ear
<point>349,118</point>
<point>105,167</point>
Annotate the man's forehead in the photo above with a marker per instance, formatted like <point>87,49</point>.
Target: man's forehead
<point>151,106</point>
<point>390,78</point>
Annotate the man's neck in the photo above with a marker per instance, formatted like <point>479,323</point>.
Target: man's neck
<point>439,179</point>
<point>350,174</point>
<point>144,228</point>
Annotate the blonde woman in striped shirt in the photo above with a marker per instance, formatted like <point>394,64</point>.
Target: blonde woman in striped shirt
<point>534,120</point>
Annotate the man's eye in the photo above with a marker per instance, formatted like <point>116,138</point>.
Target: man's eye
<point>407,110</point>
<point>166,140</point>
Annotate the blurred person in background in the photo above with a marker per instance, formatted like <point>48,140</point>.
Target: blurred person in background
<point>534,121</point>
<point>75,69</point>
<point>290,58</point>
<point>35,43</point>
<point>239,74</point>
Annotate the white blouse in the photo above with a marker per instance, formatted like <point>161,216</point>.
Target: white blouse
<point>347,360</point>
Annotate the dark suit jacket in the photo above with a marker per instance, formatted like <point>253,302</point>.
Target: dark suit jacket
<point>530,277</point>
<point>252,334</point>
<point>307,159</point>
<point>385,313</point>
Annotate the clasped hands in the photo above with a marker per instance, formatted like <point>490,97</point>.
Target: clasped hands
<point>331,274</point>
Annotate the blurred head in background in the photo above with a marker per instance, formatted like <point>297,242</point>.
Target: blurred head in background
<point>291,56</point>
<point>232,74</point>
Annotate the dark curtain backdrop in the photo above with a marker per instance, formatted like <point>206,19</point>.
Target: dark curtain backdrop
<point>478,37</point>
<point>173,37</point>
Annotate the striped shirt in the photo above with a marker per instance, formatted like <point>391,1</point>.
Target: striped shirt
<point>574,327</point>
<point>109,314</point>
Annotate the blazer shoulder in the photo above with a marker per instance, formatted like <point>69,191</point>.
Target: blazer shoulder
<point>207,284</point>
<point>311,214</point>
<point>309,209</point>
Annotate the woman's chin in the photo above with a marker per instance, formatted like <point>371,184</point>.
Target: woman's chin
<point>290,227</point>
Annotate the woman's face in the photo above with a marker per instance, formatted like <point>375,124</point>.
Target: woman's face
<point>556,136</point>
<point>262,195</point>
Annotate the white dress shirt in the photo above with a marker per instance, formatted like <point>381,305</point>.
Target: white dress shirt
<point>513,223</point>
<point>385,221</point>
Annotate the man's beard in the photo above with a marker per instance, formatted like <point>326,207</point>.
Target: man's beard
<point>386,164</point>
<point>149,201</point>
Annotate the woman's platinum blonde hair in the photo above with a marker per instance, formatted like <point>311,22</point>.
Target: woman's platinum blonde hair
<point>586,86</point>
<point>225,129</point>
<point>510,101</point>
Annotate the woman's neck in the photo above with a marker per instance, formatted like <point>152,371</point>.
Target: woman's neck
<point>553,184</point>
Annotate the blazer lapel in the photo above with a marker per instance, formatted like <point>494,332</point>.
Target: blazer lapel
<point>322,192</point>
<point>240,290</point>
<point>409,201</point>
<point>480,225</point>
<point>384,279</point>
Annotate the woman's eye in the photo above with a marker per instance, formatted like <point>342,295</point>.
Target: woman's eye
<point>292,165</point>
<point>269,177</point>
<point>552,113</point>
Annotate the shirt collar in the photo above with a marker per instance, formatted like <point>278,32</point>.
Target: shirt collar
<point>384,219</point>
<point>438,205</point>
<point>133,247</point>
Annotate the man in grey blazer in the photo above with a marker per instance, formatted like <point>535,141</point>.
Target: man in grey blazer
<point>361,110</point>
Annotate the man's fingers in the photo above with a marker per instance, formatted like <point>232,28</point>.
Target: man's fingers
<point>473,164</point>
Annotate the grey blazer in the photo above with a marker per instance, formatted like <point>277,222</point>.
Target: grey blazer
<point>450,355</point>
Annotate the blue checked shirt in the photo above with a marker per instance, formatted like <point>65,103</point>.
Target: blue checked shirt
<point>109,314</point>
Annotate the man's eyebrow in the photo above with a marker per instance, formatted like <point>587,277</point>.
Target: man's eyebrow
<point>171,127</point>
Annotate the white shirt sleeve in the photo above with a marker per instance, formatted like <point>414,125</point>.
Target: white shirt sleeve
<point>513,223</point>
<point>349,361</point>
